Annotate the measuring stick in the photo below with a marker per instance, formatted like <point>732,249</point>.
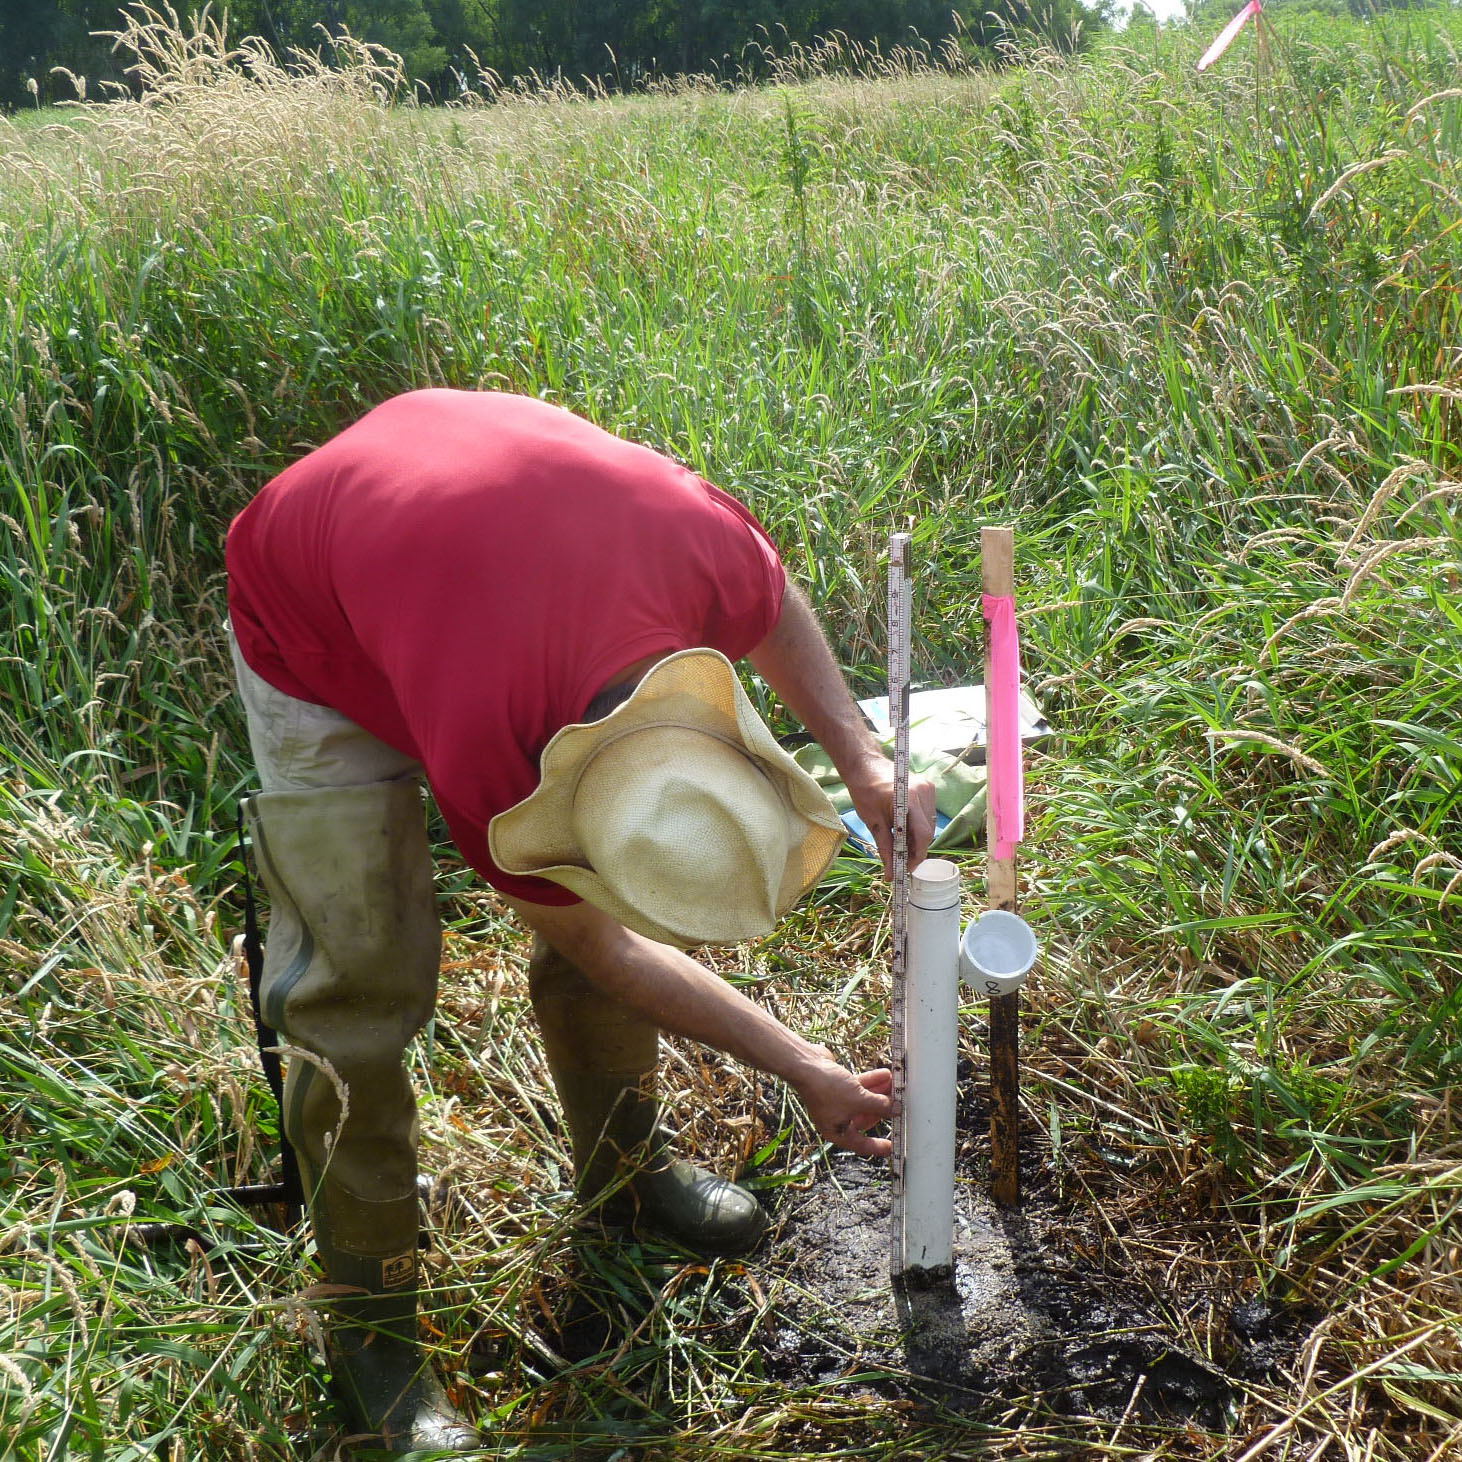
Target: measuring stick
<point>997,558</point>
<point>900,618</point>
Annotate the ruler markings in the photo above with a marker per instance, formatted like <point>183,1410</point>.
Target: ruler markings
<point>900,630</point>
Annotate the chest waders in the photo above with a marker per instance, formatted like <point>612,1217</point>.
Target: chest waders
<point>349,977</point>
<point>603,1059</point>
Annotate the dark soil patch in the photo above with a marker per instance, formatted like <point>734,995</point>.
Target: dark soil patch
<point>1030,1314</point>
<point>1054,1310</point>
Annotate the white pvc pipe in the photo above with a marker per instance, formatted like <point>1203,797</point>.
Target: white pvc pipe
<point>931,1020</point>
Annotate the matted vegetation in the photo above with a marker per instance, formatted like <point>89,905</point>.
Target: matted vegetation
<point>1196,337</point>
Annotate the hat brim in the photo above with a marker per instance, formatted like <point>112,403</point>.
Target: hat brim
<point>697,689</point>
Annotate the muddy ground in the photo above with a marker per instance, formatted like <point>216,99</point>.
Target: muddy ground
<point>1078,1304</point>
<point>1024,1317</point>
<point>1058,1309</point>
<point>1043,1311</point>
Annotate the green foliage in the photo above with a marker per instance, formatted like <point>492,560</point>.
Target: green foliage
<point>988,32</point>
<point>1209,1105</point>
<point>403,26</point>
<point>446,45</point>
<point>36,37</point>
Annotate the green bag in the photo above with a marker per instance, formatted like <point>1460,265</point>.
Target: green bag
<point>959,791</point>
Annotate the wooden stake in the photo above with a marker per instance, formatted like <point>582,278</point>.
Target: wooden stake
<point>997,556</point>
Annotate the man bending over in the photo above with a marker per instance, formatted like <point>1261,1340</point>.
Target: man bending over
<point>539,619</point>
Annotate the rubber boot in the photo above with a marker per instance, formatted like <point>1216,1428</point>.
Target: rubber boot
<point>603,1059</point>
<point>350,976</point>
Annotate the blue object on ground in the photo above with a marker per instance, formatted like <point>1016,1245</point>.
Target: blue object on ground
<point>859,829</point>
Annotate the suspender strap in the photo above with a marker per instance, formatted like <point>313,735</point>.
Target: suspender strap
<point>293,1191</point>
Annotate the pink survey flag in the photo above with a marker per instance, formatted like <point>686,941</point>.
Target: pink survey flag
<point>1227,34</point>
<point>1005,773</point>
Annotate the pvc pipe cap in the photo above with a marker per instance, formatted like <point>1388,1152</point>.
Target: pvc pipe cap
<point>996,952</point>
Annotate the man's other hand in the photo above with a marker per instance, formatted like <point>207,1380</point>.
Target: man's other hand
<point>795,661</point>
<point>844,1106</point>
<point>872,795</point>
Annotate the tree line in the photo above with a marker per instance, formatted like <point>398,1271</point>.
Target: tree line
<point>614,42</point>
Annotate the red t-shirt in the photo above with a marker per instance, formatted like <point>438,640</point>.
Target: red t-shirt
<point>460,572</point>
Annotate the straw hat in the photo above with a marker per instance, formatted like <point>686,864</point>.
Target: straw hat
<point>678,814</point>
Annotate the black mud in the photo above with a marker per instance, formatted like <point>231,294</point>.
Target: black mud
<point>1055,1310</point>
<point>1029,1316</point>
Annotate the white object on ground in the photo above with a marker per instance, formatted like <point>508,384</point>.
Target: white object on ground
<point>931,1026</point>
<point>951,721</point>
<point>997,952</point>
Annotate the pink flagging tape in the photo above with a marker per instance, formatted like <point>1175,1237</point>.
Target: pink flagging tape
<point>1002,712</point>
<point>1227,34</point>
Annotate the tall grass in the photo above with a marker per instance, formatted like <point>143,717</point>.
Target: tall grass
<point>1194,336</point>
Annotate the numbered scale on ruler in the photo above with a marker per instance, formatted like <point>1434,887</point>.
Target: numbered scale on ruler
<point>900,621</point>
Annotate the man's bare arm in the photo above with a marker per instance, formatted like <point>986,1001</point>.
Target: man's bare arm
<point>678,994</point>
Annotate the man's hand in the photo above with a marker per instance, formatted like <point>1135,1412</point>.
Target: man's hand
<point>844,1106</point>
<point>795,661</point>
<point>872,795</point>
